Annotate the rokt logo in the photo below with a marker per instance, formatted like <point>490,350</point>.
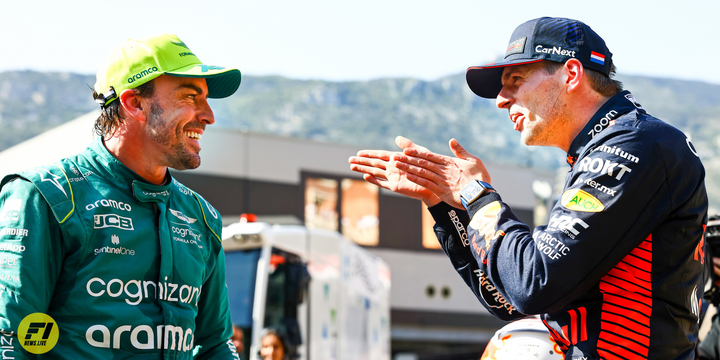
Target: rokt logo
<point>579,200</point>
<point>603,167</point>
<point>38,333</point>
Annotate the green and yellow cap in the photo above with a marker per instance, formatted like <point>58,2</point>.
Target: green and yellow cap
<point>139,60</point>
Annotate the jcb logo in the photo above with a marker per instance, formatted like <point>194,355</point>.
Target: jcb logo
<point>112,220</point>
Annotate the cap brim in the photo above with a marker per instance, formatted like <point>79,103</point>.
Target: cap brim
<point>221,82</point>
<point>486,80</point>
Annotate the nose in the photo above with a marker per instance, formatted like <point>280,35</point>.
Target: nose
<point>205,113</point>
<point>504,98</point>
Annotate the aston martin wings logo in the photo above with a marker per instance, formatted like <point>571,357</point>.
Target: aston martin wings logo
<point>180,43</point>
<point>182,216</point>
<point>50,177</point>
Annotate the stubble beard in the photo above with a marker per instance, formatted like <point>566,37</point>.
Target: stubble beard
<point>548,119</point>
<point>161,131</point>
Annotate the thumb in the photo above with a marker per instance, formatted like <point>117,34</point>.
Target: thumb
<point>405,143</point>
<point>460,151</point>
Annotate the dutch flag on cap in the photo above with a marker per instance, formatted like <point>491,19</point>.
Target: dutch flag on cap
<point>597,58</point>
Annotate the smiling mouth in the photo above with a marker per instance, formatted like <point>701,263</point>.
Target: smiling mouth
<point>517,120</point>
<point>193,135</point>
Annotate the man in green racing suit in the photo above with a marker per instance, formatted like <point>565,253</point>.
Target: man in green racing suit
<point>104,254</point>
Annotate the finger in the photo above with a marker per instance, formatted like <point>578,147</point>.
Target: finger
<point>427,155</point>
<point>460,151</point>
<point>378,154</point>
<point>375,181</point>
<point>404,143</point>
<point>423,171</point>
<point>369,170</point>
<point>356,160</point>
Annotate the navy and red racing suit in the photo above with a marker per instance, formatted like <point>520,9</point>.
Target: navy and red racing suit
<point>616,274</point>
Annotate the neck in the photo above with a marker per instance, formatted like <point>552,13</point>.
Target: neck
<point>129,150</point>
<point>584,108</point>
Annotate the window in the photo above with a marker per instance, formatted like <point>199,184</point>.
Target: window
<point>321,197</point>
<point>360,209</point>
<point>429,239</point>
<point>349,206</point>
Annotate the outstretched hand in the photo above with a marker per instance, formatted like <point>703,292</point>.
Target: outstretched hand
<point>444,176</point>
<point>378,167</point>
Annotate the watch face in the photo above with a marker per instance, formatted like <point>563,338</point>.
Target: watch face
<point>472,191</point>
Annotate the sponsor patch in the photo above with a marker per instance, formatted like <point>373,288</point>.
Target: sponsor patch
<point>603,167</point>
<point>579,200</point>
<point>617,151</point>
<point>516,47</point>
<point>142,337</point>
<point>182,216</point>
<point>485,220</point>
<point>555,50</point>
<point>567,224</point>
<point>112,220</point>
<point>604,122</point>
<point>551,246</point>
<point>492,296</point>
<point>11,210</point>
<point>596,185</point>
<point>459,227</point>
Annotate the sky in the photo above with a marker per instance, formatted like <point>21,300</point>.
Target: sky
<point>343,40</point>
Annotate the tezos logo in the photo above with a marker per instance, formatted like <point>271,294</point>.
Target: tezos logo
<point>112,220</point>
<point>579,200</point>
<point>11,210</point>
<point>38,333</point>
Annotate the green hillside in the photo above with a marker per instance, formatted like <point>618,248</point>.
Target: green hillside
<point>372,113</point>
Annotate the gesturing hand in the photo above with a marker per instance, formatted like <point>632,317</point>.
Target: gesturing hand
<point>378,168</point>
<point>443,175</point>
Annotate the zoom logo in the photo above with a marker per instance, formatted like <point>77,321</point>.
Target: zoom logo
<point>112,220</point>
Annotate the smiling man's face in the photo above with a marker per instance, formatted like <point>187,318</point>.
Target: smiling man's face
<point>177,115</point>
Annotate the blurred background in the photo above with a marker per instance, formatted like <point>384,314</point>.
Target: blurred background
<point>324,79</point>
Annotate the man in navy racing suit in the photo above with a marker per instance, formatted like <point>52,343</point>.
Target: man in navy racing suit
<point>616,273</point>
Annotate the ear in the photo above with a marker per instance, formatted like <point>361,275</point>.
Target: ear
<point>574,72</point>
<point>133,105</point>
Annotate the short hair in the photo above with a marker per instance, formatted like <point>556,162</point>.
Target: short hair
<point>107,123</point>
<point>601,83</point>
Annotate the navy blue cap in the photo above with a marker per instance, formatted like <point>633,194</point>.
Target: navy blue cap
<point>545,38</point>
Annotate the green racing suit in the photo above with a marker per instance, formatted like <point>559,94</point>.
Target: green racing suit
<point>125,268</point>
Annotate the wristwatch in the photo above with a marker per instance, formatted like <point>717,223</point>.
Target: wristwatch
<point>473,190</point>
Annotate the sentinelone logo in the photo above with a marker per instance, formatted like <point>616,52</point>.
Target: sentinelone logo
<point>38,333</point>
